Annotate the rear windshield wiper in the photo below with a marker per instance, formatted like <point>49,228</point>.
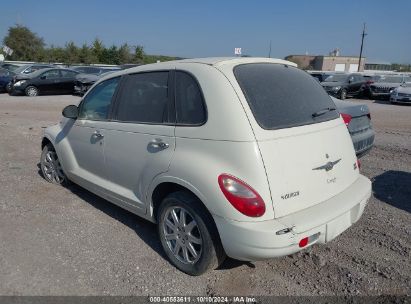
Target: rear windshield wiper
<point>322,112</point>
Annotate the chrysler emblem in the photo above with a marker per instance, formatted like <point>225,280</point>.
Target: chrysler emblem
<point>328,166</point>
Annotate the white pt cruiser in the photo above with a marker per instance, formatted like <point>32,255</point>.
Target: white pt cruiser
<point>239,157</point>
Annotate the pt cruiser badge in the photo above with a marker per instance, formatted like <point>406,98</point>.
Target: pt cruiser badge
<point>328,166</point>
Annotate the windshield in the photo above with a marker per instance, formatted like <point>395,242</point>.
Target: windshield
<point>390,79</point>
<point>336,78</point>
<point>281,96</point>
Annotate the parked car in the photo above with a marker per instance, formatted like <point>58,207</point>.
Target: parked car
<point>382,86</point>
<point>6,77</point>
<point>402,94</point>
<point>344,85</point>
<point>45,81</point>
<point>245,157</point>
<point>357,118</point>
<point>84,82</point>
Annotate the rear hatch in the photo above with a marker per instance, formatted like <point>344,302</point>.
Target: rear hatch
<point>306,148</point>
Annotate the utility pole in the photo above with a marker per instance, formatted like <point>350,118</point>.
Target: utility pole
<point>362,44</point>
<point>269,52</point>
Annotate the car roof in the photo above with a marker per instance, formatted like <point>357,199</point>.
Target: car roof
<point>218,61</point>
<point>211,61</point>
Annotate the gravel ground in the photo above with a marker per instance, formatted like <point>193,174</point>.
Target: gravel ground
<point>67,241</point>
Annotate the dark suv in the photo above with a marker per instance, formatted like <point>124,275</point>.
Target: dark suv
<point>345,85</point>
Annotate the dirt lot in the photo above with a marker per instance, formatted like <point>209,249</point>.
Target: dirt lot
<point>59,241</point>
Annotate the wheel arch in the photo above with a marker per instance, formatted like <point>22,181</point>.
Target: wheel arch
<point>45,141</point>
<point>164,187</point>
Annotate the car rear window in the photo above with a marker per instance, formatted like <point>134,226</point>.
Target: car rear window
<point>282,96</point>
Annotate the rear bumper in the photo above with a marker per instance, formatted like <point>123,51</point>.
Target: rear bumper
<point>251,241</point>
<point>363,142</point>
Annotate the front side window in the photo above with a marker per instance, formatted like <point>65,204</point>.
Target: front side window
<point>189,101</point>
<point>282,96</point>
<point>144,98</point>
<point>96,104</point>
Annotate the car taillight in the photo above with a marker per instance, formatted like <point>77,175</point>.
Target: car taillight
<point>347,118</point>
<point>308,240</point>
<point>358,164</point>
<point>243,198</point>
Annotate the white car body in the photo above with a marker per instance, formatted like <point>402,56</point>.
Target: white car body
<point>401,94</point>
<point>282,165</point>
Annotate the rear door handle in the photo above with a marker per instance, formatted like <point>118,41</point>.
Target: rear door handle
<point>98,134</point>
<point>158,144</point>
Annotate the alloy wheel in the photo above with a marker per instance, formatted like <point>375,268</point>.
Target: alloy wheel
<point>182,235</point>
<point>32,91</point>
<point>52,168</point>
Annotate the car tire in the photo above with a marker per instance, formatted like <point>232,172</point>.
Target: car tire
<point>51,168</point>
<point>343,94</point>
<point>31,91</point>
<point>193,246</point>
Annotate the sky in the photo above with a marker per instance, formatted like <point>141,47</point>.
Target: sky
<point>208,28</point>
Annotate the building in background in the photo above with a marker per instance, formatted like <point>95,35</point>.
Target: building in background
<point>378,66</point>
<point>332,62</point>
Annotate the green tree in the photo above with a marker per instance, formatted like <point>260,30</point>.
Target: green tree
<point>71,53</point>
<point>139,54</point>
<point>55,54</point>
<point>86,56</point>
<point>112,55</point>
<point>97,49</point>
<point>25,44</point>
<point>124,55</point>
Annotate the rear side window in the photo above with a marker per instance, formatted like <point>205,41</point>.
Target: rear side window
<point>189,100</point>
<point>68,74</point>
<point>144,98</point>
<point>51,74</point>
<point>281,96</point>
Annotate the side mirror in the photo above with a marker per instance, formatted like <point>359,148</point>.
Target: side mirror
<point>70,111</point>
